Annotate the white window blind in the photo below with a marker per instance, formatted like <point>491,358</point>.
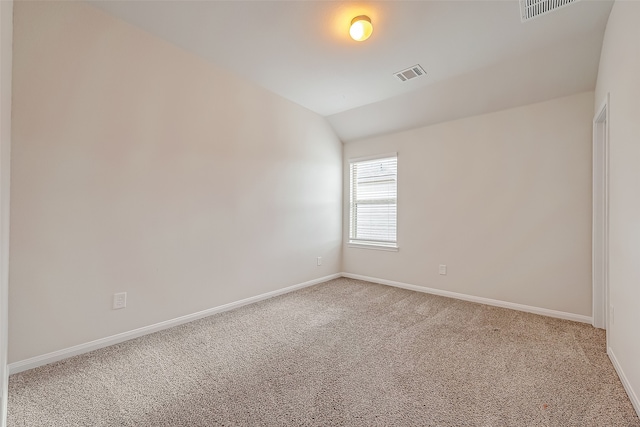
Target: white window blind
<point>373,201</point>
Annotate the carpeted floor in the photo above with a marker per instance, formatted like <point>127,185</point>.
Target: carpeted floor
<point>343,353</point>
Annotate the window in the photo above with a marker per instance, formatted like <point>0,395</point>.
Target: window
<point>373,201</point>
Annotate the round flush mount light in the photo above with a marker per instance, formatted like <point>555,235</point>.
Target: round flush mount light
<point>361,28</point>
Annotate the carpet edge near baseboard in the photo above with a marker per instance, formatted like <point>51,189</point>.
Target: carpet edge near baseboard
<point>55,356</point>
<point>471,298</point>
<point>58,355</point>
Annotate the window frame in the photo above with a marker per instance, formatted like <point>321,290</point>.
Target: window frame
<point>382,246</point>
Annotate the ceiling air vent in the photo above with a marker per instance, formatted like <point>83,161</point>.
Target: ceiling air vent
<point>530,9</point>
<point>410,73</point>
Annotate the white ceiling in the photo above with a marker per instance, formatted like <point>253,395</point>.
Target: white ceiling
<point>478,56</point>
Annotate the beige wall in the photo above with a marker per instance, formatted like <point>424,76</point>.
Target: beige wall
<point>619,75</point>
<point>503,199</point>
<point>138,167</point>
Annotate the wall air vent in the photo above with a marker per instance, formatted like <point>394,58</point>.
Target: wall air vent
<point>410,73</point>
<point>530,9</point>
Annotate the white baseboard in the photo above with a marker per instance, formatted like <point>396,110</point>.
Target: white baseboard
<point>625,381</point>
<point>58,355</point>
<point>471,298</point>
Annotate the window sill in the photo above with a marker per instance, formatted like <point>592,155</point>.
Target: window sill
<point>374,247</point>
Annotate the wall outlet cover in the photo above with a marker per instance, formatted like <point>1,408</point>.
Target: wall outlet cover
<point>119,300</point>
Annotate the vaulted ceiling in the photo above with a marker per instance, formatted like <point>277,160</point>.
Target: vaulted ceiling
<point>478,55</point>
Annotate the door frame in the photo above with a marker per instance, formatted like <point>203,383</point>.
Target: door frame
<point>600,231</point>
<point>6,56</point>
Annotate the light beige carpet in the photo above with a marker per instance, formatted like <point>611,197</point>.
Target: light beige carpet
<point>346,353</point>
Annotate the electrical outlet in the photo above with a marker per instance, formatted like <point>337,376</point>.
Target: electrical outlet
<point>119,300</point>
<point>443,269</point>
<point>319,261</point>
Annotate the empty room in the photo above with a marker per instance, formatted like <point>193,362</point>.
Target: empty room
<point>319,213</point>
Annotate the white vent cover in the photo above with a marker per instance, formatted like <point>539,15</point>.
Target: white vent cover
<point>530,9</point>
<point>410,73</point>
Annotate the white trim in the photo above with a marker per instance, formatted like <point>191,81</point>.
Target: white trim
<point>58,355</point>
<point>375,247</point>
<point>600,215</point>
<point>6,43</point>
<point>633,397</point>
<point>471,298</point>
<point>373,157</point>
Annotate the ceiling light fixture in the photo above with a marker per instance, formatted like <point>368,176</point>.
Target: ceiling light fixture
<point>361,28</point>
